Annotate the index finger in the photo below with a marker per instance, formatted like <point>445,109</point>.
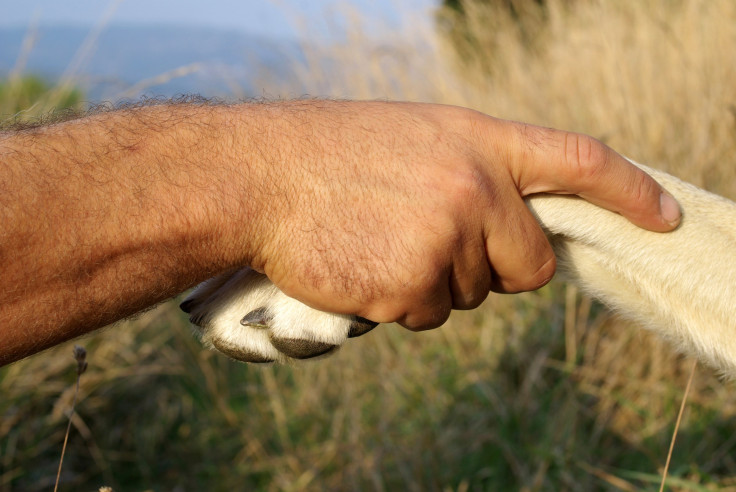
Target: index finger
<point>544,160</point>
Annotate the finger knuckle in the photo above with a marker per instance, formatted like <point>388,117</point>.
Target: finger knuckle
<point>386,312</point>
<point>640,188</point>
<point>585,156</point>
<point>428,319</point>
<point>474,297</point>
<point>462,187</point>
<point>473,300</point>
<point>544,273</point>
<point>535,278</point>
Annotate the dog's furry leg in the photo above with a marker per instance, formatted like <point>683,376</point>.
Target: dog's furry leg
<point>680,284</point>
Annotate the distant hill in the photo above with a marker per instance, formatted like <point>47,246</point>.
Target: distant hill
<point>124,56</point>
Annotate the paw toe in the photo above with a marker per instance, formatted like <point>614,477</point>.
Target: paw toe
<point>298,348</point>
<point>360,326</point>
<point>240,353</point>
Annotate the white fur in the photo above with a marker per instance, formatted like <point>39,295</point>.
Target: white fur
<point>223,301</point>
<point>680,284</point>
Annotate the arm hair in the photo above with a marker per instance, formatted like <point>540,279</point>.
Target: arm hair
<point>110,211</point>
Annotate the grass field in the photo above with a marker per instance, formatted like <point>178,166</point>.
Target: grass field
<point>540,391</point>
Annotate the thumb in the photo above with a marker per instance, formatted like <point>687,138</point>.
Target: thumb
<point>520,256</point>
<point>543,160</point>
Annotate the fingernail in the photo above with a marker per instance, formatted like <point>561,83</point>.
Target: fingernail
<point>670,209</point>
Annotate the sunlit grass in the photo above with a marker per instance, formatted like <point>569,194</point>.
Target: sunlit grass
<point>541,391</point>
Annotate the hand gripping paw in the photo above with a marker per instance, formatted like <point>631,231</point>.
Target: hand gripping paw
<point>246,317</point>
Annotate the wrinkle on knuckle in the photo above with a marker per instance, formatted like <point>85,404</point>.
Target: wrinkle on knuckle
<point>585,157</point>
<point>635,189</point>
<point>544,273</point>
<point>641,190</point>
<point>533,279</point>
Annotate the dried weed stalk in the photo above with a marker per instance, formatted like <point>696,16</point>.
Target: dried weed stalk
<point>80,354</point>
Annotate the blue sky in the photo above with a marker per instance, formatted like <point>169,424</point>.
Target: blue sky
<point>274,17</point>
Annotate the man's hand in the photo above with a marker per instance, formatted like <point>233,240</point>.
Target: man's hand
<point>401,212</point>
<point>391,211</point>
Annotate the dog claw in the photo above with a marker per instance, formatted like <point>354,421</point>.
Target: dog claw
<point>187,306</point>
<point>258,318</point>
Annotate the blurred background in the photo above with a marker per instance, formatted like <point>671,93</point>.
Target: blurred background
<point>540,391</point>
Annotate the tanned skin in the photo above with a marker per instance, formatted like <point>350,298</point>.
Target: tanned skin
<point>391,211</point>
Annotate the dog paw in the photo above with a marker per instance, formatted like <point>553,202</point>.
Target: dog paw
<point>246,317</point>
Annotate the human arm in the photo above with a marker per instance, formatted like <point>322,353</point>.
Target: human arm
<point>392,211</point>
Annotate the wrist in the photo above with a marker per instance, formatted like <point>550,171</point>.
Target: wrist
<point>238,186</point>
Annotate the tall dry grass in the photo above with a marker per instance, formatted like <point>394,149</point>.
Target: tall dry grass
<point>541,391</point>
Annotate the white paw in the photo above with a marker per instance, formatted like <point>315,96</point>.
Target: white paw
<point>243,315</point>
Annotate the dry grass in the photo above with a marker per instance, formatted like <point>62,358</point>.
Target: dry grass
<point>541,391</point>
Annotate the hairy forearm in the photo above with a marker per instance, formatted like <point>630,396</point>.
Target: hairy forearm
<point>109,214</point>
<point>390,211</point>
